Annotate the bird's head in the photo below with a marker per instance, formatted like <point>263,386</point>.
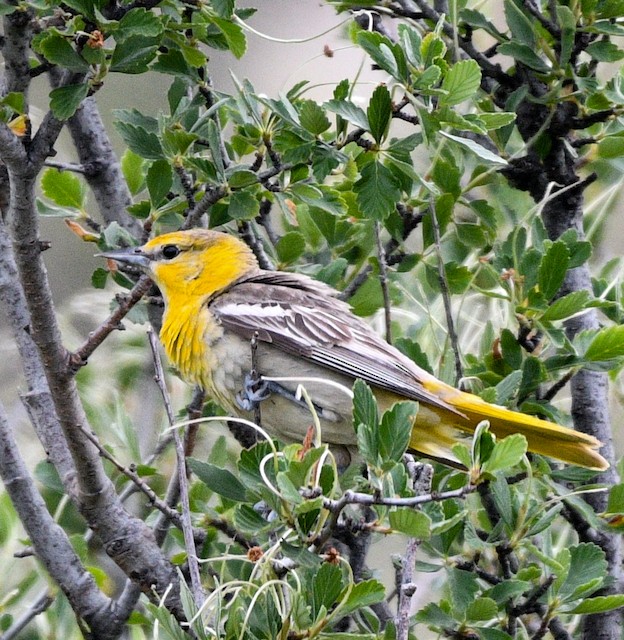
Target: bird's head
<point>190,264</point>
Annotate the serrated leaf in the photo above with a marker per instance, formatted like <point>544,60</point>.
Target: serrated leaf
<point>312,118</point>
<point>365,409</point>
<point>63,188</point>
<point>599,604</point>
<point>58,50</point>
<point>415,524</point>
<point>290,247</point>
<point>519,25</point>
<point>363,594</point>
<point>604,51</point>
<point>525,54</point>
<point>587,565</point>
<point>607,344</point>
<point>379,113</point>
<point>553,268</point>
<point>377,190</point>
<point>133,55</point>
<point>395,429</point>
<point>492,121</point>
<point>460,82</point>
<point>463,587</point>
<point>159,180</point>
<point>243,206</point>
<point>234,36</point>
<point>567,306</point>
<point>482,609</point>
<point>221,481</point>
<point>65,101</point>
<point>616,499</point>
<point>326,588</point>
<point>224,8</point>
<point>140,141</point>
<point>506,453</point>
<point>138,22</point>
<point>485,154</point>
<point>133,169</point>
<point>349,111</point>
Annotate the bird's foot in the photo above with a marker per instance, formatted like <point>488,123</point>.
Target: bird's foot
<point>254,391</point>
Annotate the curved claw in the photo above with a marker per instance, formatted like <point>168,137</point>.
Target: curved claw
<point>254,391</point>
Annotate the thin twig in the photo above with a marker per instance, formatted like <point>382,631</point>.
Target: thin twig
<point>187,525</point>
<point>38,606</point>
<point>446,297</point>
<point>383,281</point>
<point>66,166</point>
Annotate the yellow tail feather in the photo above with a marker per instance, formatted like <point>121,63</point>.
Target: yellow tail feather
<point>433,427</point>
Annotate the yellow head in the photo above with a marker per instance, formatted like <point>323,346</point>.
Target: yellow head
<point>190,264</point>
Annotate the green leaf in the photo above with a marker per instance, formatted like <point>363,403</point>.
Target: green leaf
<point>312,118</point>
<point>326,588</point>
<point>363,594</point>
<point>553,268</point>
<point>379,113</point>
<point>606,345</point>
<point>460,82</point>
<point>377,190</point>
<point>482,609</point>
<point>133,55</point>
<point>497,120</point>
<point>415,524</point>
<point>65,101</point>
<point>234,36</point>
<point>99,278</point>
<point>290,247</point>
<point>519,24</point>
<point>485,154</point>
<point>463,587</point>
<point>524,54</point>
<point>349,111</point>
<point>63,188</point>
<point>243,206</point>
<point>600,604</point>
<point>224,8</point>
<point>57,50</point>
<point>616,499</point>
<point>395,430</point>
<point>242,178</point>
<point>159,181</point>
<point>221,481</point>
<point>506,453</point>
<point>567,23</point>
<point>142,142</point>
<point>604,51</point>
<point>587,564</point>
<point>138,22</point>
<point>133,169</point>
<point>567,306</point>
<point>365,409</point>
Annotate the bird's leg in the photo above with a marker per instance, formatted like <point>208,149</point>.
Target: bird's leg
<point>254,391</point>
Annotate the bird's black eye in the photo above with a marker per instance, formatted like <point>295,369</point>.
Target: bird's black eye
<point>170,251</point>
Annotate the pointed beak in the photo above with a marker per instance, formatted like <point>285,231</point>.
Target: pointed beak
<point>133,256</point>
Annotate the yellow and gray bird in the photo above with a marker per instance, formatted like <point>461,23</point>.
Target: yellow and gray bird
<point>217,298</point>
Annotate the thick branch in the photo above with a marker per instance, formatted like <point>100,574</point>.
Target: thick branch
<point>51,544</point>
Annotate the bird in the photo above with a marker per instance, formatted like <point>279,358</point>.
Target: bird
<point>218,299</point>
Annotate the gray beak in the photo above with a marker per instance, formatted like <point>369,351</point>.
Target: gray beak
<point>133,256</point>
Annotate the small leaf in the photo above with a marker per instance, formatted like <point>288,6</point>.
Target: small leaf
<point>63,188</point>
<point>363,594</point>
<point>553,269</point>
<point>349,111</point>
<point>506,453</point>
<point>395,430</point>
<point>379,113</point>
<point>482,609</point>
<point>140,141</point>
<point>483,153</point>
<point>326,588</point>
<point>616,499</point>
<point>221,481</point>
<point>604,51</point>
<point>415,524</point>
<point>567,306</point>
<point>133,55</point>
<point>65,101</point>
<point>364,405</point>
<point>234,36</point>
<point>377,190</point>
<point>243,206</point>
<point>159,180</point>
<point>460,82</point>
<point>599,604</point>
<point>607,344</point>
<point>290,247</point>
<point>58,50</point>
<point>525,54</point>
<point>587,564</point>
<point>133,169</point>
<point>313,118</point>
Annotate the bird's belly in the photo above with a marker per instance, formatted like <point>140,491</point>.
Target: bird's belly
<point>282,415</point>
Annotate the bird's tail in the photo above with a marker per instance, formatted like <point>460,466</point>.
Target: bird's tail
<point>546,438</point>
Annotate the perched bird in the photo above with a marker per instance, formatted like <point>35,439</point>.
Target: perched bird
<point>217,298</point>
